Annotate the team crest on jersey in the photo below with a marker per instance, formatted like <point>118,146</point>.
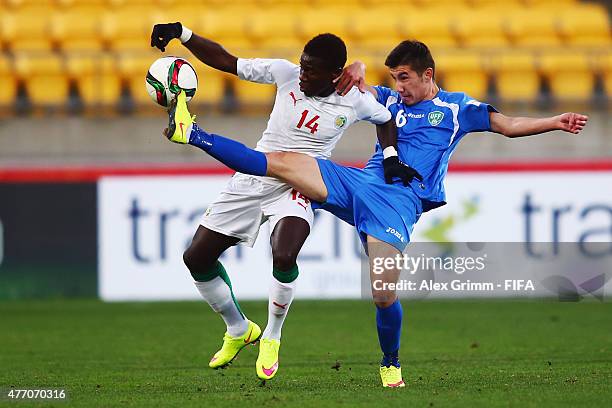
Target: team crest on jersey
<point>435,117</point>
<point>340,121</point>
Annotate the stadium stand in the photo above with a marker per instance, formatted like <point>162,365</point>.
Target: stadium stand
<point>8,84</point>
<point>463,72</point>
<point>562,69</point>
<point>605,63</point>
<point>102,46</point>
<point>95,78</point>
<point>516,77</point>
<point>44,78</point>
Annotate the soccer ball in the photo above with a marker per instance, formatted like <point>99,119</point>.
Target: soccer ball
<point>167,76</point>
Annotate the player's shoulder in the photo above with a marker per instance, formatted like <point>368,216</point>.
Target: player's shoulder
<point>361,100</point>
<point>283,64</point>
<point>355,95</point>
<point>386,96</point>
<point>459,98</point>
<point>278,64</point>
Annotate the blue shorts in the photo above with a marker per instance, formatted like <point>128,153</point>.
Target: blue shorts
<point>387,212</point>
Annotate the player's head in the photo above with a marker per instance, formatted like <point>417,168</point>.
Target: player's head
<point>321,62</point>
<point>412,68</point>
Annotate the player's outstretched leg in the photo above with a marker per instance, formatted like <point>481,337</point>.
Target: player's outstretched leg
<point>183,129</point>
<point>214,285</point>
<point>287,239</point>
<point>388,314</point>
<point>296,169</point>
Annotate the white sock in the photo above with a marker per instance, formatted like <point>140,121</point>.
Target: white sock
<point>219,296</point>
<point>281,296</point>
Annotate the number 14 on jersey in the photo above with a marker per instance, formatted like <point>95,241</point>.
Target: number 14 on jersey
<point>311,124</point>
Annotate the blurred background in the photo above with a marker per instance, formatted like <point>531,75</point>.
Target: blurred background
<point>80,139</point>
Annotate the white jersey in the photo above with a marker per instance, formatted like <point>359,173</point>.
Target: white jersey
<point>310,125</point>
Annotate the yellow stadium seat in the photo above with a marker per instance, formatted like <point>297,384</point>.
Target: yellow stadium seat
<point>494,4</point>
<point>462,72</point>
<point>8,82</point>
<point>481,28</point>
<point>570,76</point>
<point>378,31</point>
<point>250,93</point>
<point>211,84</point>
<point>78,30</point>
<point>314,22</point>
<point>605,63</point>
<point>17,4</point>
<point>438,4</point>
<point>119,4</point>
<point>228,26</point>
<point>431,27</point>
<point>586,26</point>
<point>273,4</point>
<point>336,7</point>
<point>96,78</point>
<point>27,29</point>
<point>275,30</point>
<point>317,4</point>
<point>373,4</point>
<point>535,27</point>
<point>44,77</point>
<point>550,3</point>
<point>71,4</point>
<point>128,28</point>
<point>516,76</point>
<point>133,70</point>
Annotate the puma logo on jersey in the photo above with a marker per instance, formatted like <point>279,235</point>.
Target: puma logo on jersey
<point>295,100</point>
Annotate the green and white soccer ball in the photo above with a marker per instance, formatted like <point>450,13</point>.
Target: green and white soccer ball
<point>167,76</point>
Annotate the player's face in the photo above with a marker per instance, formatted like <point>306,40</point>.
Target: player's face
<point>410,85</point>
<point>315,79</point>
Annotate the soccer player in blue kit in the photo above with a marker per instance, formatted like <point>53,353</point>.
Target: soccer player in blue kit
<point>430,123</point>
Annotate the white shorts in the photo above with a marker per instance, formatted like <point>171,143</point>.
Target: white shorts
<point>249,201</point>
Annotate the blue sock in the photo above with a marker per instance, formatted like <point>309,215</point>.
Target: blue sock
<point>389,326</point>
<point>233,154</point>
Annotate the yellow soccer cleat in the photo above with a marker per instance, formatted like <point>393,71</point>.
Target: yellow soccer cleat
<point>267,361</point>
<point>179,120</point>
<point>232,346</point>
<point>391,376</point>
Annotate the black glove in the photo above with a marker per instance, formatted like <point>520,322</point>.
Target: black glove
<point>393,167</point>
<point>163,33</point>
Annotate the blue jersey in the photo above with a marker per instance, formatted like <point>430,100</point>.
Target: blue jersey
<point>427,134</point>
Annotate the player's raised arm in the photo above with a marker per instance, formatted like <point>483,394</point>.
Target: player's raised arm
<point>522,126</point>
<point>207,51</point>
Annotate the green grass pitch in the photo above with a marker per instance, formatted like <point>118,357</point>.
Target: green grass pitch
<point>454,353</point>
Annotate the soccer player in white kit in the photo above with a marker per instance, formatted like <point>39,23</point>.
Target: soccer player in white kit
<point>308,117</point>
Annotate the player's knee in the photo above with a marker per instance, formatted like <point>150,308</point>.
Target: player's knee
<point>196,261</point>
<point>284,261</point>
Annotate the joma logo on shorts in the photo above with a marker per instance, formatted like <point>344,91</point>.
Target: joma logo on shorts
<point>395,233</point>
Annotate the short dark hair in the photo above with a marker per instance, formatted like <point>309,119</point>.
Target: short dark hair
<point>329,48</point>
<point>413,53</point>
